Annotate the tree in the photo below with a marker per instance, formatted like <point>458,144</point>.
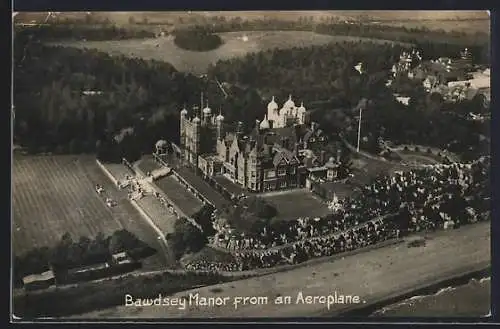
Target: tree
<point>345,165</point>
<point>186,238</point>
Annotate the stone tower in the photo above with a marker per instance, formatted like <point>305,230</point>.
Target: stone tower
<point>219,125</point>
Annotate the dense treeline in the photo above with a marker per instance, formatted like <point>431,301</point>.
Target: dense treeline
<point>425,121</point>
<point>321,72</point>
<point>91,296</point>
<point>72,101</point>
<point>478,42</point>
<point>70,254</point>
<point>314,73</point>
<point>186,238</point>
<point>67,99</point>
<point>78,32</point>
<point>197,40</point>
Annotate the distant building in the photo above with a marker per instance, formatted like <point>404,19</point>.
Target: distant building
<point>39,281</point>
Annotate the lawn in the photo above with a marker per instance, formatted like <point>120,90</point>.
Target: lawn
<point>179,195</point>
<point>53,195</point>
<point>296,203</point>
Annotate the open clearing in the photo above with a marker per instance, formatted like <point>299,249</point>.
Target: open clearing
<point>164,49</point>
<point>374,275</point>
<point>53,195</point>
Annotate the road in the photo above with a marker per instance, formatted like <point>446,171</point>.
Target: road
<point>373,276</point>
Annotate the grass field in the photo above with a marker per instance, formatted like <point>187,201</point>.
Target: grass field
<point>296,203</point>
<point>53,195</point>
<point>467,21</point>
<point>373,275</point>
<point>164,49</point>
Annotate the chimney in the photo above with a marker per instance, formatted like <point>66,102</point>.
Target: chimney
<point>313,126</point>
<point>322,157</point>
<point>257,126</point>
<point>283,142</point>
<point>239,128</point>
<point>339,153</point>
<point>296,149</point>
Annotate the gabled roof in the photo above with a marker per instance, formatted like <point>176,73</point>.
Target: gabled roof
<point>286,156</point>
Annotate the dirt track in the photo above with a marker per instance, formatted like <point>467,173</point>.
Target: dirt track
<point>373,276</point>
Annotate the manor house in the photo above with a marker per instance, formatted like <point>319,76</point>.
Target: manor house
<point>280,152</point>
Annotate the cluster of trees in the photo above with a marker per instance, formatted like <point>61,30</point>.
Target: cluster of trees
<point>422,123</point>
<point>197,39</point>
<point>92,296</point>
<point>250,215</point>
<point>70,254</point>
<point>186,238</point>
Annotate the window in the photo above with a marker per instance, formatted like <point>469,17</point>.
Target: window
<point>312,140</point>
<point>281,171</point>
<point>283,183</point>
<point>271,174</point>
<point>253,174</point>
<point>252,186</point>
<point>254,161</point>
<point>292,170</point>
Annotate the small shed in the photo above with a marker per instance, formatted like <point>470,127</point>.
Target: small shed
<point>39,281</point>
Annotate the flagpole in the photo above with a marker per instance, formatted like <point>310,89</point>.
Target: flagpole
<point>359,126</point>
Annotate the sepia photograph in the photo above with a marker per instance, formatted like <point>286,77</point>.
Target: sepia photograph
<point>193,165</point>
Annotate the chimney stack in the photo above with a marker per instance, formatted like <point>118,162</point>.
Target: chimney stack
<point>257,126</point>
<point>339,153</point>
<point>322,157</point>
<point>296,149</point>
<point>313,126</point>
<point>239,128</point>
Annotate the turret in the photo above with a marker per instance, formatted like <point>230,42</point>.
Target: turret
<point>239,128</point>
<point>183,119</point>
<point>219,123</point>
<point>195,147</point>
<point>207,114</point>
<point>265,124</point>
<point>289,103</point>
<point>272,106</point>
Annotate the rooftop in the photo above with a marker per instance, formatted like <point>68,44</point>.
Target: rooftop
<point>45,276</point>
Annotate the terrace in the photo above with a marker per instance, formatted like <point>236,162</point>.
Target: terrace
<point>186,176</point>
<point>179,195</point>
<point>148,164</point>
<point>228,186</point>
